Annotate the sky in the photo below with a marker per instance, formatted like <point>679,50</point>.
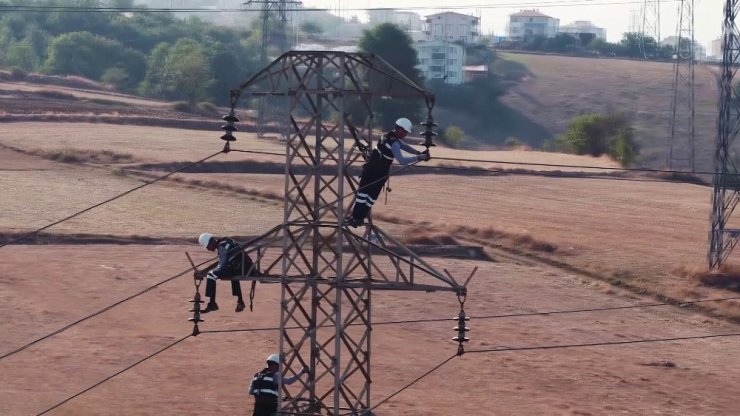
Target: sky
<point>613,15</point>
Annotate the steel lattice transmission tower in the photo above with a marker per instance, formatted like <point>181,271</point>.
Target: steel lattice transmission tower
<point>650,25</point>
<point>680,153</point>
<point>722,237</point>
<point>276,18</point>
<point>328,271</point>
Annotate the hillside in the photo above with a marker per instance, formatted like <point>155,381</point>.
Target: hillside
<point>559,88</point>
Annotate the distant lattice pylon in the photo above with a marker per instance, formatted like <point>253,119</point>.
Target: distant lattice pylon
<point>650,27</point>
<point>681,141</point>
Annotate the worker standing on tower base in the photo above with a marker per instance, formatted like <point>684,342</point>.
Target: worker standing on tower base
<point>265,384</point>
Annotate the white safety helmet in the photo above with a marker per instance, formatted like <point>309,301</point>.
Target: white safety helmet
<point>405,124</point>
<point>204,239</point>
<point>274,358</point>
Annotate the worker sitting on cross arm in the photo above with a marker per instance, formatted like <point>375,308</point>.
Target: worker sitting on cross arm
<point>375,170</point>
<point>232,263</point>
<point>265,384</point>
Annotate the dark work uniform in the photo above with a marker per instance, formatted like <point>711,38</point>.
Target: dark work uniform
<point>231,262</point>
<point>264,388</point>
<point>374,176</point>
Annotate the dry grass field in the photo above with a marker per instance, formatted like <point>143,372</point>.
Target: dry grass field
<point>556,242</point>
<point>560,88</point>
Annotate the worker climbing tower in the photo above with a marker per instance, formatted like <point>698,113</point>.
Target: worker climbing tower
<point>327,270</point>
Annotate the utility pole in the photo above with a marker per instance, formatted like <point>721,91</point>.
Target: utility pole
<point>724,234</point>
<point>650,25</point>
<point>681,148</point>
<point>275,15</point>
<point>327,270</point>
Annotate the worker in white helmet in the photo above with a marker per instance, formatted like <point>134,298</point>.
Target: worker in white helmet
<point>265,384</point>
<point>232,263</point>
<point>376,169</point>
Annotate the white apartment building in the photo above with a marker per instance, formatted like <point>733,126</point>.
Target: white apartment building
<point>583,26</point>
<point>408,21</point>
<point>529,23</point>
<point>441,60</point>
<point>452,27</point>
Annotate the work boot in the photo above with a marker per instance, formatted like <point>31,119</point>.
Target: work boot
<point>353,222</point>
<point>212,306</point>
<point>240,306</point>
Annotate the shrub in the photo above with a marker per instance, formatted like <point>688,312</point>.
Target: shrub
<point>453,136</point>
<point>597,134</point>
<point>182,106</point>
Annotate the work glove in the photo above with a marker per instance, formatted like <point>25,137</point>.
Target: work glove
<point>424,156</point>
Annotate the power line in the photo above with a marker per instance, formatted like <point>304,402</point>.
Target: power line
<point>121,195</point>
<point>550,347</point>
<point>107,308</point>
<point>82,9</point>
<point>115,374</point>
<point>604,344</point>
<point>498,316</point>
<point>564,175</point>
<point>435,368</point>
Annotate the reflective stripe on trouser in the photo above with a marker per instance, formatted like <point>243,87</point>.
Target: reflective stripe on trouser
<point>374,176</point>
<point>363,198</point>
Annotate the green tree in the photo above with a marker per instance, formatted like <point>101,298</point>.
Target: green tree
<point>188,72</point>
<point>393,45</point>
<point>21,55</point>
<point>561,43</point>
<point>88,55</point>
<point>156,72</point>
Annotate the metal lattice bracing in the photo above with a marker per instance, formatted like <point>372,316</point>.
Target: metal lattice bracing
<point>723,236</point>
<point>650,26</point>
<point>328,271</point>
<point>680,154</point>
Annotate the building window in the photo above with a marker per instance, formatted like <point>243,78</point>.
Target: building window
<point>449,28</point>
<point>452,62</point>
<point>452,74</point>
<point>531,20</point>
<point>464,39</point>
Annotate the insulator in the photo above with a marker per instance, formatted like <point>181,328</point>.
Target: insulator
<point>426,123</point>
<point>464,339</point>
<point>229,127</point>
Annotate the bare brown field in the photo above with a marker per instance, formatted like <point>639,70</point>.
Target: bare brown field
<point>12,87</point>
<point>210,373</point>
<point>563,87</point>
<point>643,235</point>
